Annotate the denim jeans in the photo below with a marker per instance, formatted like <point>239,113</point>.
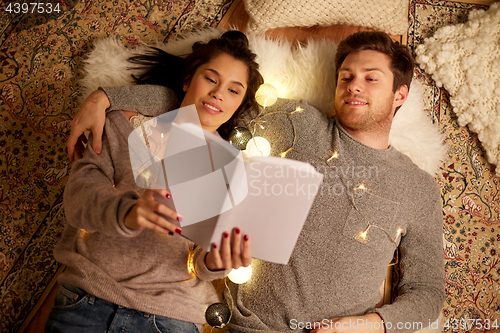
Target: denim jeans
<point>76,311</point>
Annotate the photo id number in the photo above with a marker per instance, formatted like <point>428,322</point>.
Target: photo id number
<point>33,8</point>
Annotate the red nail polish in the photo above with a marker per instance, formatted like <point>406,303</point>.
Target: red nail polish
<point>179,218</point>
<point>237,231</point>
<point>168,196</point>
<point>245,238</point>
<point>179,231</point>
<point>225,234</point>
<point>214,246</point>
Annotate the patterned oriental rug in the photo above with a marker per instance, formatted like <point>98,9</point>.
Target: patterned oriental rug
<point>40,60</point>
<point>470,193</point>
<point>41,57</point>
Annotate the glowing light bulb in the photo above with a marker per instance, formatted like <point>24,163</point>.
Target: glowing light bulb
<point>298,110</point>
<point>266,95</point>
<point>282,91</point>
<point>334,155</point>
<point>240,275</point>
<point>363,236</point>
<point>258,146</point>
<point>398,233</point>
<point>146,175</point>
<point>361,187</point>
<point>283,154</point>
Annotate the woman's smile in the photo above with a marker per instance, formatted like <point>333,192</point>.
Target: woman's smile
<point>217,89</point>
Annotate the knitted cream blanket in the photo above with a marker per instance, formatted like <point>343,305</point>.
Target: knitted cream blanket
<point>465,59</point>
<point>389,16</point>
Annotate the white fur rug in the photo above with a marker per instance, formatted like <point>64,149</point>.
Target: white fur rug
<point>465,59</point>
<point>304,72</point>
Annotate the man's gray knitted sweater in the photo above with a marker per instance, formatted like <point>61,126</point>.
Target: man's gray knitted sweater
<point>334,272</point>
<point>142,270</point>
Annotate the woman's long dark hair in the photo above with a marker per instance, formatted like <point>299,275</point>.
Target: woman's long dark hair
<point>172,71</point>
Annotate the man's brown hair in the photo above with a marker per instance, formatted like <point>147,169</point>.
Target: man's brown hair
<point>402,62</point>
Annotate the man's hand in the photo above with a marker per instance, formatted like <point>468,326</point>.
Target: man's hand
<point>369,323</point>
<point>229,256</point>
<point>91,117</point>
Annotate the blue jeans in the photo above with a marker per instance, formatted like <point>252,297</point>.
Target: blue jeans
<point>76,311</point>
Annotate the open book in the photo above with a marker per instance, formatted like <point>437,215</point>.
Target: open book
<point>215,188</point>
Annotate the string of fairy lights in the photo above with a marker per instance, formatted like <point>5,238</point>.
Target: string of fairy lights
<point>218,315</point>
<point>252,145</point>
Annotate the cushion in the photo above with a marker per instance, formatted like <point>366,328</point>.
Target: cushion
<point>388,16</point>
<point>464,58</point>
<point>298,72</point>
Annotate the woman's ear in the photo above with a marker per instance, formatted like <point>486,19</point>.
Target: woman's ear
<point>185,86</point>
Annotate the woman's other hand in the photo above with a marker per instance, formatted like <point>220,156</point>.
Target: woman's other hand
<point>91,116</point>
<point>144,214</point>
<point>230,256</point>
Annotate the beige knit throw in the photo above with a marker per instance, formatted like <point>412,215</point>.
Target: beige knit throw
<point>389,16</point>
<point>465,59</point>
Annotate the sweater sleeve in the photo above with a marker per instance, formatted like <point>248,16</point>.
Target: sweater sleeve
<point>91,201</point>
<point>421,289</point>
<point>148,100</point>
<point>201,270</point>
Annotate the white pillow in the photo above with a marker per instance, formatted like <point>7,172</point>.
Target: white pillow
<point>389,16</point>
<point>298,72</point>
<point>464,58</point>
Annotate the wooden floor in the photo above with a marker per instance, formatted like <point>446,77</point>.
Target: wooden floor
<point>35,323</point>
<point>237,18</point>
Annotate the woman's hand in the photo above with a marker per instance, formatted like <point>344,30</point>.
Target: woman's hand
<point>229,256</point>
<point>90,117</point>
<point>143,215</point>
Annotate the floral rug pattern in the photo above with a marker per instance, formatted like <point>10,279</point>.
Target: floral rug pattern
<point>41,57</point>
<point>470,193</point>
<point>40,60</point>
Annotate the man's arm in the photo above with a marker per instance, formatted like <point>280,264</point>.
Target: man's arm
<point>90,117</point>
<point>421,289</point>
<point>149,100</point>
